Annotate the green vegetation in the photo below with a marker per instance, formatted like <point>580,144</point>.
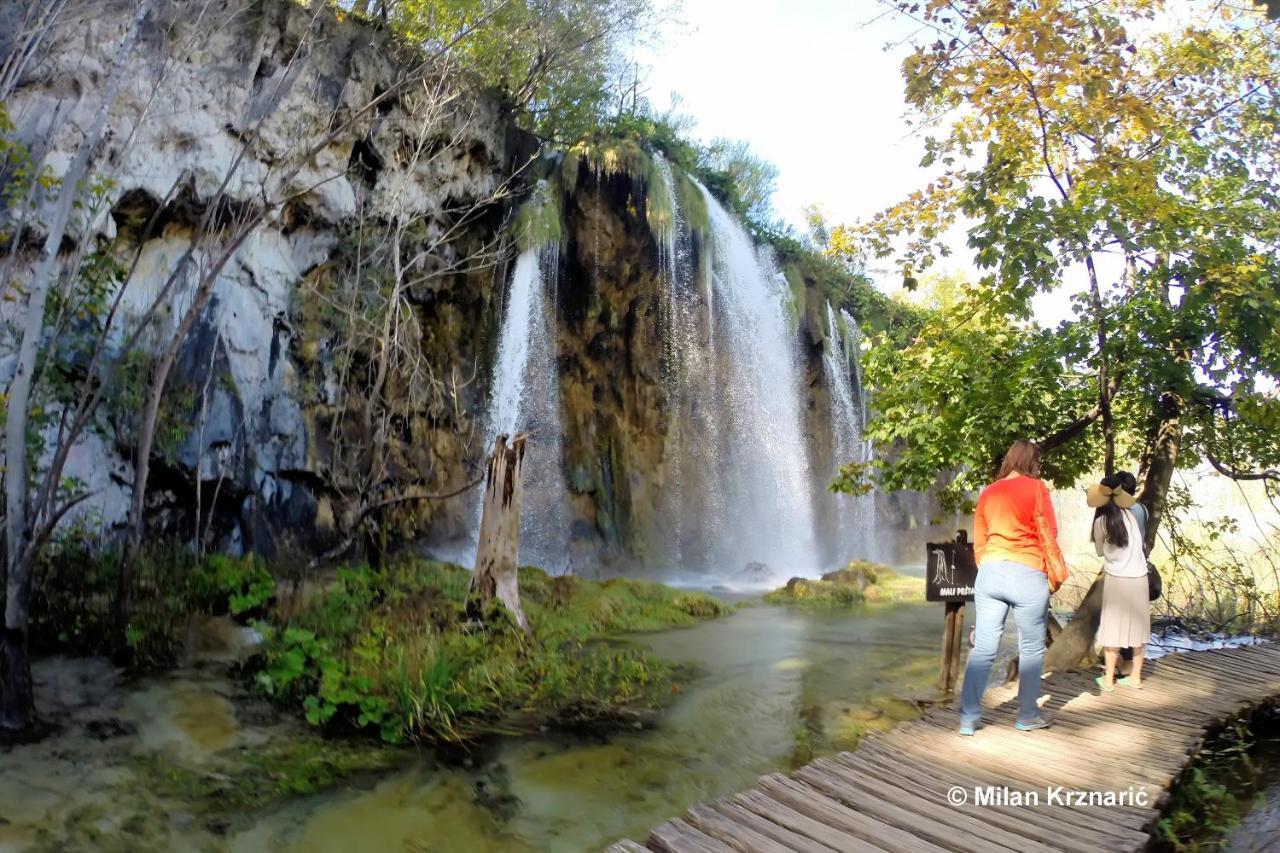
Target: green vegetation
<point>1090,143</point>
<point>75,582</point>
<point>391,651</point>
<point>1220,787</point>
<point>250,779</point>
<point>235,585</point>
<point>856,583</point>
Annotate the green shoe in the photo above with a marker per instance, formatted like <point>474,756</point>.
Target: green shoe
<point>1102,684</point>
<point>1125,682</point>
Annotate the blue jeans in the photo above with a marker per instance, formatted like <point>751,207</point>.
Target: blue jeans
<point>1002,585</point>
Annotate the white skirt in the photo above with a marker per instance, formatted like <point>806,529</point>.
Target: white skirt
<point>1126,612</point>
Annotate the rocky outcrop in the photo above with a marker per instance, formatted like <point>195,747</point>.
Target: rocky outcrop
<point>261,108</point>
<point>334,140</point>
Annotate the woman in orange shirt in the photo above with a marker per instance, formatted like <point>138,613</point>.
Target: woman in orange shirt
<point>1016,546</point>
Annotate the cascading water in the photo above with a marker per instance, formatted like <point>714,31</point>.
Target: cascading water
<point>738,487</point>
<point>841,360</point>
<point>524,397</point>
<point>738,402</point>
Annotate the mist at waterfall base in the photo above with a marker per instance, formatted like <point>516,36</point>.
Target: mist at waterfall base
<point>745,504</point>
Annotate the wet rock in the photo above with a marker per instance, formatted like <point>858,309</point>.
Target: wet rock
<point>109,728</point>
<point>754,573</point>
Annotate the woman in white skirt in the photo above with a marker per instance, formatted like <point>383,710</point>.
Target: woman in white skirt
<point>1126,605</point>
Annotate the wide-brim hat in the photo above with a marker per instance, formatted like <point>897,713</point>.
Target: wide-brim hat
<point>1099,495</point>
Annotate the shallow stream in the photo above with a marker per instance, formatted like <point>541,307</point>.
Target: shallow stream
<point>775,686</point>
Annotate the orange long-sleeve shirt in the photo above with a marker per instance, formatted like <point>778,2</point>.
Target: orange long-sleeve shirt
<point>1006,525</point>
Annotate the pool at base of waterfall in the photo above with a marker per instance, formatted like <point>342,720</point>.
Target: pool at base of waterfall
<point>139,765</point>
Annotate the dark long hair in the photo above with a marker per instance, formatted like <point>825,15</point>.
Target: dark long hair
<point>1023,457</point>
<point>1116,533</point>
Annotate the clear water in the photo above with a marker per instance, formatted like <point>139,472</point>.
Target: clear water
<point>778,687</point>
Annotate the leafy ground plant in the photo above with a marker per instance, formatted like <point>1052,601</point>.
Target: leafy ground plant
<point>390,651</point>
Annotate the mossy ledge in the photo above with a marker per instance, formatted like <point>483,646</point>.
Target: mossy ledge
<point>857,582</point>
<point>390,651</point>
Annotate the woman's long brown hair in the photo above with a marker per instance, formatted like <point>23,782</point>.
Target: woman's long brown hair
<point>1023,457</point>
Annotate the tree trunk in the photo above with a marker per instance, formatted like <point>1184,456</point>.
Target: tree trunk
<point>1075,647</point>
<point>17,709</point>
<point>495,571</point>
<point>17,702</point>
<point>1161,463</point>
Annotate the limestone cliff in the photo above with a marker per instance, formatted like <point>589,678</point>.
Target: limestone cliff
<point>217,108</point>
<point>255,108</point>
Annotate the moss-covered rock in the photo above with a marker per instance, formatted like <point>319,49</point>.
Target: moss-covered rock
<point>857,582</point>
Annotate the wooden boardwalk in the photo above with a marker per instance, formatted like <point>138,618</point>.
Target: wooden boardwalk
<point>892,792</point>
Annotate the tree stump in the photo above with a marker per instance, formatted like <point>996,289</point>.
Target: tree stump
<point>496,566</point>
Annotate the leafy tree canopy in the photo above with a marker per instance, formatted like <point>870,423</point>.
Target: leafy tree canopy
<point>563,64</point>
<point>1124,143</point>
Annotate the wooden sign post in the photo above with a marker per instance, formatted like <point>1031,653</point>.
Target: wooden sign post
<point>950,575</point>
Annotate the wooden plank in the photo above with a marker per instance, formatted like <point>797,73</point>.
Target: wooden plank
<point>735,835</point>
<point>809,800</point>
<point>784,837</point>
<point>948,774</point>
<point>676,836</point>
<point>938,810</point>
<point>1043,828</point>
<point>775,811</point>
<point>910,819</point>
<point>626,845</point>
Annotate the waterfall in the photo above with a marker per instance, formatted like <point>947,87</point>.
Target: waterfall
<point>855,515</point>
<point>737,486</point>
<point>738,393</point>
<point>525,397</point>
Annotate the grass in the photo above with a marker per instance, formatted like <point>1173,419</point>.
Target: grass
<point>856,583</point>
<point>390,651</point>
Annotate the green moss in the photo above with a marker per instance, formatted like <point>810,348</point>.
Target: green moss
<point>856,583</point>
<point>390,651</point>
<point>253,778</point>
<point>539,223</point>
<point>693,203</point>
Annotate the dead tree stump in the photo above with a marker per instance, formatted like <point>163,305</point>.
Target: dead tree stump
<point>495,573</point>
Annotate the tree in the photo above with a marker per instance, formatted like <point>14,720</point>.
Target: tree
<point>1093,139</point>
<point>561,63</point>
<point>25,531</point>
<point>746,180</point>
<point>496,567</point>
<point>1104,141</point>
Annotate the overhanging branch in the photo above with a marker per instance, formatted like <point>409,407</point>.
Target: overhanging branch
<point>1076,428</point>
<point>1236,474</point>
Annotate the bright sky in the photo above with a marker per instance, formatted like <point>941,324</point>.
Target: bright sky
<point>809,85</point>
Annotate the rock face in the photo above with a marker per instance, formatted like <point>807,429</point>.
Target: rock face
<point>262,109</point>
<point>259,111</point>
